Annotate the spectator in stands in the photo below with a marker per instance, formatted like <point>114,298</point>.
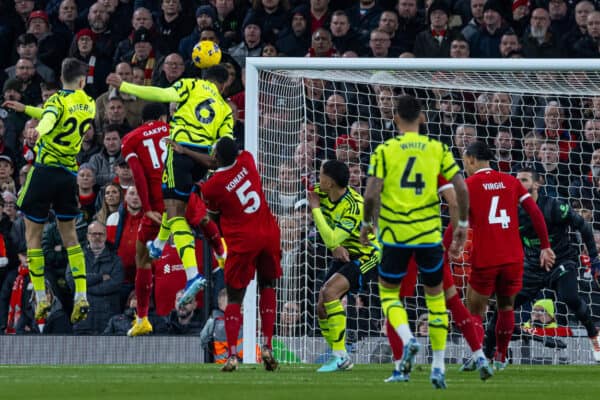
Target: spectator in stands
<point>185,320</point>
<point>14,122</point>
<point>56,323</point>
<point>555,173</point>
<point>591,142</point>
<point>476,21</point>
<point>171,70</point>
<point>27,47</point>
<point>141,18</point>
<point>540,41</point>
<point>554,130</point>
<point>90,145</point>
<point>273,13</point>
<point>459,48</point>
<point>30,81</point>
<point>52,48</point>
<point>321,44</point>
<point>294,40</point>
<point>364,16</point>
<point>435,42</point>
<point>213,337</point>
<point>9,138</point>
<point>383,127</point>
<point>561,21</point>
<point>388,22</point>
<point>357,177</point>
<point>583,187</point>
<point>319,14</point>
<point>509,43</point>
<point>172,25</point>
<point>115,115</point>
<point>464,135</point>
<point>251,45</point>
<point>520,16</point>
<point>103,37</point>
<point>587,46</point>
<point>88,191</point>
<point>306,162</point>
<point>503,151</point>
<point>501,116</point>
<point>121,232</point>
<point>229,15</point>
<point>380,44</point>
<point>104,161</point>
<point>578,31</point>
<point>336,118</point>
<point>290,322</point>
<point>361,134</point>
<point>66,22</point>
<point>7,170</point>
<point>123,175</point>
<point>133,105</point>
<point>119,15</point>
<point>10,206</point>
<point>144,53</point>
<point>22,10</point>
<point>485,43</point>
<point>531,147</point>
<point>444,122</point>
<point>48,89</point>
<point>287,189</point>
<point>205,19</point>
<point>111,198</point>
<point>104,274</point>
<point>99,67</point>
<point>410,22</point>
<point>343,35</point>
<point>346,149</point>
<point>118,325</point>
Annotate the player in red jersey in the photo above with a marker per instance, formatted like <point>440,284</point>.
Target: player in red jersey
<point>497,257</point>
<point>144,149</point>
<point>460,314</point>
<point>235,194</point>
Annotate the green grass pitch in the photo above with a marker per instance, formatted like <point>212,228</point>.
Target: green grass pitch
<point>365,382</point>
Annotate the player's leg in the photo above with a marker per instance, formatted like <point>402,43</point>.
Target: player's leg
<point>430,262</point>
<point>233,323</point>
<point>392,270</point>
<point>156,246</point>
<point>567,291</point>
<point>509,283</point>
<point>143,281</point>
<point>35,259</point>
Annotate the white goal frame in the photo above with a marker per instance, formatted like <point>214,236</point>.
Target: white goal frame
<point>254,65</point>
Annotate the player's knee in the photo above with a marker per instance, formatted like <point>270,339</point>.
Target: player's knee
<point>266,283</point>
<point>235,296</point>
<point>433,278</point>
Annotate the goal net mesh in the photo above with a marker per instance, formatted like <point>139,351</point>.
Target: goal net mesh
<point>549,121</point>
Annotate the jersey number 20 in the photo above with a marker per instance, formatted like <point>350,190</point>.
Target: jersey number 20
<point>494,218</point>
<point>248,198</point>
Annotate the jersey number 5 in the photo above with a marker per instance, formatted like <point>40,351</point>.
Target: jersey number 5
<point>250,198</point>
<point>493,218</point>
<point>405,182</point>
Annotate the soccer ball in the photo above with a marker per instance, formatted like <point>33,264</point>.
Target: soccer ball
<point>206,54</point>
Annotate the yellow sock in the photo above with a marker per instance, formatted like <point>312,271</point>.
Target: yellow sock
<point>324,325</point>
<point>165,231</point>
<point>336,320</point>
<point>35,258</point>
<point>184,242</point>
<point>77,264</point>
<point>438,321</point>
<point>392,306</point>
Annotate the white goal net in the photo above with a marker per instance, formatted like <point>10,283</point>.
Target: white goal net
<point>539,114</point>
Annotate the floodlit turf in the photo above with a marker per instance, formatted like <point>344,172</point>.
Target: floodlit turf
<point>365,382</point>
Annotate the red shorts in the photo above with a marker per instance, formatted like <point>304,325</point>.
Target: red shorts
<point>409,282</point>
<point>242,263</point>
<point>148,230</point>
<point>504,280</point>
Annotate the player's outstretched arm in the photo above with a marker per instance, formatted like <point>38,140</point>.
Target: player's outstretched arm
<point>149,93</point>
<point>547,256</point>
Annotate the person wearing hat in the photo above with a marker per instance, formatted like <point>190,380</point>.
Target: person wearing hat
<point>435,41</point>
<point>206,17</point>
<point>485,43</point>
<point>294,41</point>
<point>172,25</point>
<point>521,12</point>
<point>83,49</point>
<point>251,44</point>
<point>540,41</point>
<point>143,54</point>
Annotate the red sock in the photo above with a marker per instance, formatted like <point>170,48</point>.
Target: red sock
<point>504,331</point>
<point>143,289</point>
<point>233,321</point>
<point>395,341</point>
<point>478,324</point>
<point>462,319</point>
<point>211,232</point>
<point>267,308</point>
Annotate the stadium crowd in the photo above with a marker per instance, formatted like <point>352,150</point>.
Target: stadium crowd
<point>149,42</point>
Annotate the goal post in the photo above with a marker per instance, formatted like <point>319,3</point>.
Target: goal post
<point>301,111</point>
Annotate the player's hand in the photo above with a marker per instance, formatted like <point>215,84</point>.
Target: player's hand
<point>14,105</point>
<point>365,231</point>
<point>341,253</point>
<point>459,237</point>
<point>314,201</point>
<point>154,216</point>
<point>547,258</point>
<point>177,148</point>
<point>114,80</point>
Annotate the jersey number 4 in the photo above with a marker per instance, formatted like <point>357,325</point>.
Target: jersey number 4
<point>417,184</point>
<point>494,217</point>
<point>248,198</point>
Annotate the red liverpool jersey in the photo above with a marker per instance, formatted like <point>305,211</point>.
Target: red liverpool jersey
<point>494,199</point>
<point>236,193</point>
<point>145,143</point>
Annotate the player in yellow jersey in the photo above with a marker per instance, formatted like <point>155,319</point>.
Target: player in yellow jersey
<point>202,117</point>
<point>402,205</point>
<point>337,210</point>
<point>52,181</point>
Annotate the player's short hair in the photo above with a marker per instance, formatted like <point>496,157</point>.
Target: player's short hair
<point>217,73</point>
<point>153,111</point>
<point>480,151</point>
<point>226,151</point>
<point>408,108</point>
<point>338,171</point>
<point>73,69</point>
<point>534,174</point>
